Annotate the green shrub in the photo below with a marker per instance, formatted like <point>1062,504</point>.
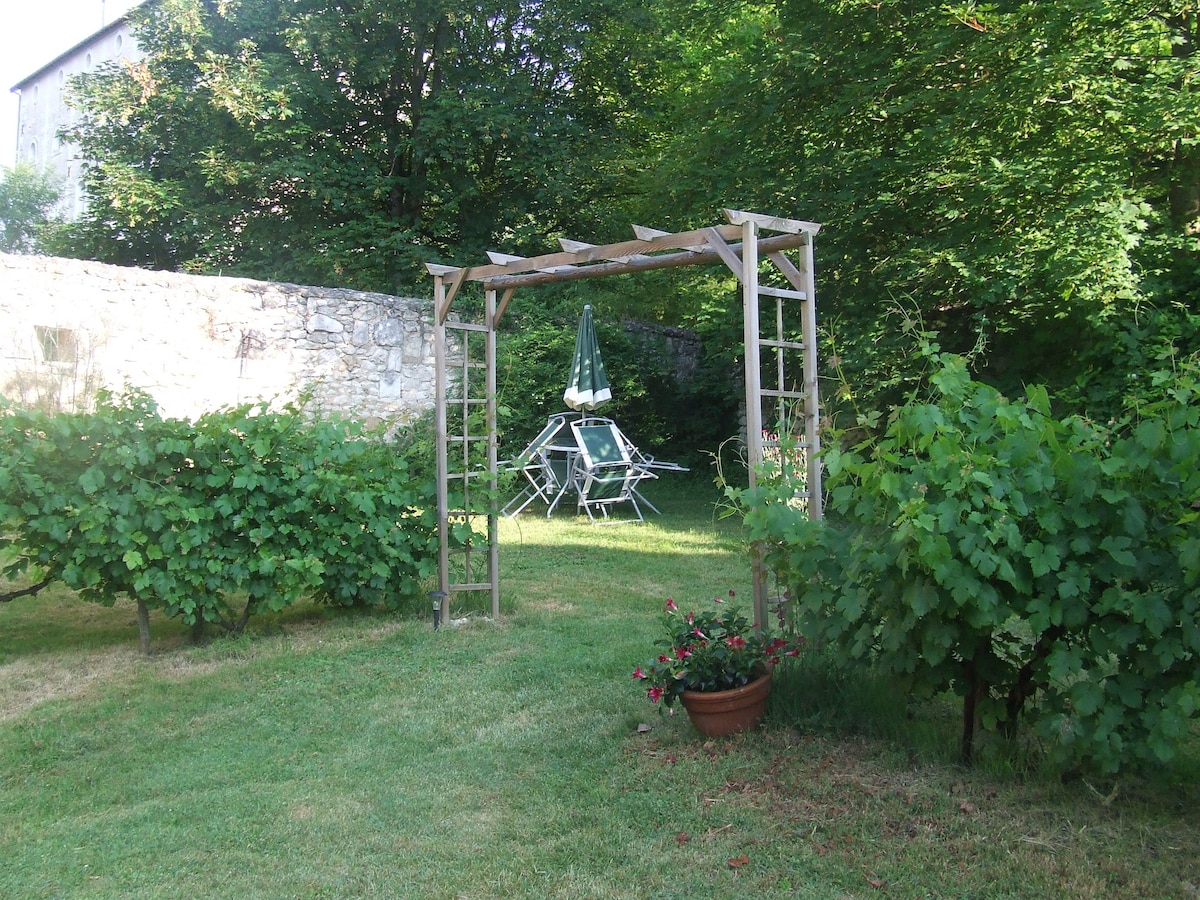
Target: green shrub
<point>86,498</point>
<point>1044,569</point>
<point>248,505</point>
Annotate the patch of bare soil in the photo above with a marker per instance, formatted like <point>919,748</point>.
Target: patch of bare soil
<point>27,682</point>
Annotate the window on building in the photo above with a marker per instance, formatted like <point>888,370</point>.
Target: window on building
<point>57,344</point>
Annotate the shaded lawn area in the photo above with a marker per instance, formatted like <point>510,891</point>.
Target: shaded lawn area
<point>357,755</point>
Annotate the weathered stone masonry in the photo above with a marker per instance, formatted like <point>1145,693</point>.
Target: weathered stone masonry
<point>198,343</point>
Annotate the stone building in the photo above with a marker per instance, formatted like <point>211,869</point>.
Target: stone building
<point>43,111</point>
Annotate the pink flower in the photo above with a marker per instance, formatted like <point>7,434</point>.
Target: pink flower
<point>737,642</point>
<point>732,593</point>
<point>662,658</point>
<point>700,634</point>
<point>691,617</point>
<point>717,600</point>
<point>654,694</point>
<point>682,652</point>
<point>638,673</point>
<point>671,607</point>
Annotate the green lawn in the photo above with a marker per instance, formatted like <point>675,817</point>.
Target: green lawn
<point>356,755</point>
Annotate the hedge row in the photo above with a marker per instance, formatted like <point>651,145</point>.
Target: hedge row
<point>245,510</point>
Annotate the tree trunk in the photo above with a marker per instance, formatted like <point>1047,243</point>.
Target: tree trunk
<point>975,690</point>
<point>240,626</point>
<point>1184,196</point>
<point>1185,190</point>
<point>143,619</point>
<point>198,628</point>
<point>1026,684</point>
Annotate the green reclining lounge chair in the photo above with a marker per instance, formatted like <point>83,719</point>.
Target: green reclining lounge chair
<point>604,474</point>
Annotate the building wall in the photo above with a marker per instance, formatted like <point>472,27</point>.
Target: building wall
<point>196,343</point>
<point>43,110</point>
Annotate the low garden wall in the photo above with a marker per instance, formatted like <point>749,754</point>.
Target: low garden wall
<point>196,343</point>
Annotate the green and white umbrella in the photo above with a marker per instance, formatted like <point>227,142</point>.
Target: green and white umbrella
<point>587,388</point>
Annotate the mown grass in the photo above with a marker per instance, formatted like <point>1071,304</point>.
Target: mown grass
<point>328,755</point>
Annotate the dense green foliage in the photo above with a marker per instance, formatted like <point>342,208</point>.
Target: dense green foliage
<point>340,144</point>
<point>1022,173</point>
<point>247,506</point>
<point>1043,568</point>
<point>27,199</point>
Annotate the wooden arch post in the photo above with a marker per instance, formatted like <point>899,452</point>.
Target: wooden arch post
<point>466,415</point>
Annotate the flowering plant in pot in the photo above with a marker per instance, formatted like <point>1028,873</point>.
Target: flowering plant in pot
<point>712,655</point>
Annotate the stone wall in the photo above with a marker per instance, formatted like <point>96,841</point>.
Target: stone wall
<point>197,343</point>
<point>679,345</point>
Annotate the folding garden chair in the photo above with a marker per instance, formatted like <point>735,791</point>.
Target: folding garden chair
<point>604,473</point>
<point>646,465</point>
<point>548,477</point>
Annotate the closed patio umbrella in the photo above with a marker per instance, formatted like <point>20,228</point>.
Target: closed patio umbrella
<point>587,388</point>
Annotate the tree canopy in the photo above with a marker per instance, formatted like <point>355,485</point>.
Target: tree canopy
<point>340,143</point>
<point>1023,177</point>
<point>27,200</point>
<point>1018,173</point>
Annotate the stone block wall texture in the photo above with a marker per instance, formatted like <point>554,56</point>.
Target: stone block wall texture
<point>197,343</point>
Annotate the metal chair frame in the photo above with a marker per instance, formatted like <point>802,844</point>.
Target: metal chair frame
<point>546,479</point>
<point>605,472</point>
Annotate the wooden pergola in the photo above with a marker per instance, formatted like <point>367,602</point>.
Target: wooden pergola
<point>780,368</point>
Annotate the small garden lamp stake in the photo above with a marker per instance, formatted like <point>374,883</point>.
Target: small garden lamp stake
<point>438,597</point>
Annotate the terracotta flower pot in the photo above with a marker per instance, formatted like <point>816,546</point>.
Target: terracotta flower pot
<point>718,713</point>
